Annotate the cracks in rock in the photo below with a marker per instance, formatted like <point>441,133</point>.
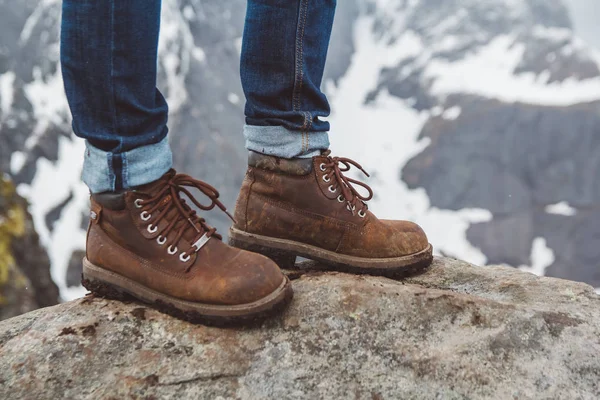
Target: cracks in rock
<point>200,378</point>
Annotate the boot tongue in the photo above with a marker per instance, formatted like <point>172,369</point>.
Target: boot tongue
<point>153,188</point>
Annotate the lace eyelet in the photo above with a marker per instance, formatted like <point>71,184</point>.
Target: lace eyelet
<point>161,242</point>
<point>182,257</point>
<point>322,167</point>
<point>362,214</point>
<point>326,179</point>
<point>332,189</point>
<point>137,203</point>
<point>152,228</point>
<point>145,216</point>
<point>341,199</point>
<point>172,250</point>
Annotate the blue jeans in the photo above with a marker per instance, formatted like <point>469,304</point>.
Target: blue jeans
<point>109,65</point>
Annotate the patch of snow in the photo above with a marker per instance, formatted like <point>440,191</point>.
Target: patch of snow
<point>176,45</point>
<point>17,160</point>
<point>48,107</point>
<point>199,54</point>
<point>562,208</point>
<point>489,72</point>
<point>7,93</point>
<point>34,19</point>
<point>189,13</point>
<point>383,136</point>
<point>52,184</point>
<point>552,32</point>
<point>452,113</point>
<point>541,257</point>
<point>233,98</point>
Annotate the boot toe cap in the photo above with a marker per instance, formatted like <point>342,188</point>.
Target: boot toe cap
<point>252,277</point>
<point>406,237</point>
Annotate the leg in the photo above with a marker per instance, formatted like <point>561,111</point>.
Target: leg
<point>283,56</point>
<point>109,62</point>
<point>147,242</point>
<point>295,199</point>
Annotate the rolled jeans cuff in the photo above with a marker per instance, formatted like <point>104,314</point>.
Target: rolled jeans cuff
<point>106,172</point>
<point>281,142</point>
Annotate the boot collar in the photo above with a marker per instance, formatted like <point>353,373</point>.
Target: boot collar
<point>294,166</point>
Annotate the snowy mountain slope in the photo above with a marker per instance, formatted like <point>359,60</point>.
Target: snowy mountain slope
<point>502,98</point>
<point>476,119</point>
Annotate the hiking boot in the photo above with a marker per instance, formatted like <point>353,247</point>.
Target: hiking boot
<point>150,244</point>
<point>309,208</point>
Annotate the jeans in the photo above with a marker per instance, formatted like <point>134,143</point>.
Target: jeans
<point>109,66</point>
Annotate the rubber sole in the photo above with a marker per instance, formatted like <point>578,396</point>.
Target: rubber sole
<point>107,284</point>
<point>284,253</point>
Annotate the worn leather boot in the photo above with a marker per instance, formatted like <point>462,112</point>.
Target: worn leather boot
<point>148,243</point>
<point>309,208</point>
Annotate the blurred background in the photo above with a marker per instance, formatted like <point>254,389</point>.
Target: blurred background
<point>480,120</point>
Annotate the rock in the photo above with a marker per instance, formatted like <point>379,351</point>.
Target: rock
<point>25,282</point>
<point>458,331</point>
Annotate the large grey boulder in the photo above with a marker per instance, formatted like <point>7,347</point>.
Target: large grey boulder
<point>458,331</point>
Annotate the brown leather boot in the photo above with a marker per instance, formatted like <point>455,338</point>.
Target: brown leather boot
<point>308,208</point>
<point>148,243</point>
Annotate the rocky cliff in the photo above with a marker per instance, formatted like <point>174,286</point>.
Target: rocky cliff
<point>456,332</point>
<point>25,282</point>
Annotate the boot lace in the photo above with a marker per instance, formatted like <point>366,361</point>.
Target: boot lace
<point>333,171</point>
<point>167,199</point>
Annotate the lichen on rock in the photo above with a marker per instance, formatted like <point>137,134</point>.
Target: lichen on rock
<point>23,262</point>
<point>12,225</point>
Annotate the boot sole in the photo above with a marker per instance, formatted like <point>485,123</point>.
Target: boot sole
<point>284,253</point>
<point>107,284</point>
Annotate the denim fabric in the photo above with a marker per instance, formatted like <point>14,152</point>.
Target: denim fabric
<point>109,65</point>
<point>283,57</point>
<point>280,142</point>
<point>137,167</point>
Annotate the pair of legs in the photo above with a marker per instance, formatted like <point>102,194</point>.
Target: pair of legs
<point>145,238</point>
<point>109,62</point>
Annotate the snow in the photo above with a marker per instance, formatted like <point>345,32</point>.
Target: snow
<point>34,19</point>
<point>7,93</point>
<point>48,108</point>
<point>562,208</point>
<point>488,72</point>
<point>552,33</point>
<point>52,184</point>
<point>175,47</point>
<point>233,98</point>
<point>17,160</point>
<point>541,257</point>
<point>452,113</point>
<point>383,136</point>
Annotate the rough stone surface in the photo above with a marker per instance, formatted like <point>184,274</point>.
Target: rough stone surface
<point>456,332</point>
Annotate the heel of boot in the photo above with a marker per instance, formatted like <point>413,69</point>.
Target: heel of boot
<point>103,289</point>
<point>284,259</point>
